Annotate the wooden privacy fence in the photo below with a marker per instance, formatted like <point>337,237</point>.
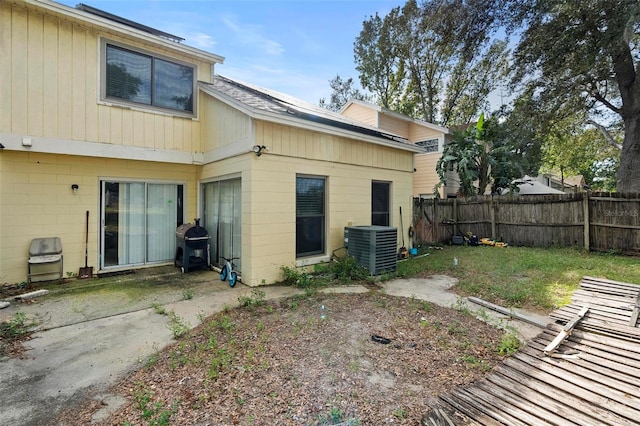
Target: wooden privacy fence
<point>599,221</point>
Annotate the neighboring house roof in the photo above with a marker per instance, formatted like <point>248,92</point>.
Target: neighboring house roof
<point>530,186</point>
<point>273,106</point>
<point>398,115</point>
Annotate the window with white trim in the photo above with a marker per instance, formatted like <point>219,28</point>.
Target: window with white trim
<point>141,78</point>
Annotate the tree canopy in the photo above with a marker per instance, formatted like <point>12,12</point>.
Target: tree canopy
<point>419,58</point>
<point>584,56</point>
<point>342,92</point>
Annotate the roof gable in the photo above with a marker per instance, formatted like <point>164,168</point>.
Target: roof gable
<point>273,106</point>
<point>397,115</point>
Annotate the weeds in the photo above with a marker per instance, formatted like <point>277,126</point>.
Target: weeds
<point>15,329</point>
<point>152,412</point>
<point>251,302</point>
<point>187,294</point>
<point>159,309</point>
<point>509,344</point>
<point>336,417</point>
<point>178,326</point>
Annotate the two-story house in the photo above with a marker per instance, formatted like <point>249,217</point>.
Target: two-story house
<point>429,137</point>
<point>103,115</point>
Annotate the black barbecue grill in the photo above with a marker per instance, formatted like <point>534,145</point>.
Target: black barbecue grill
<point>192,247</point>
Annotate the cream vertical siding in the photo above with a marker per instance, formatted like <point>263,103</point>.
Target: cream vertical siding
<point>362,114</point>
<point>50,86</point>
<point>425,178</point>
<point>269,188</point>
<point>394,125</point>
<point>223,125</point>
<point>37,201</point>
<point>420,133</point>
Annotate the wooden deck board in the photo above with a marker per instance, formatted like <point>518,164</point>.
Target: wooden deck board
<point>600,387</point>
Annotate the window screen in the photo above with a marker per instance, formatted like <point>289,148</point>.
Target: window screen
<point>310,216</point>
<point>380,203</point>
<point>144,79</point>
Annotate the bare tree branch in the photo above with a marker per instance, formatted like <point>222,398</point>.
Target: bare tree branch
<point>606,134</point>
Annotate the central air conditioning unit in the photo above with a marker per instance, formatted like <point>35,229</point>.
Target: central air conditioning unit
<point>373,247</point>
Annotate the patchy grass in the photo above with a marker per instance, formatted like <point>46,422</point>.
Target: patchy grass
<point>539,279</point>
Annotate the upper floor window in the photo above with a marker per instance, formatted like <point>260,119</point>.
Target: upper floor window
<point>144,79</point>
<point>429,145</point>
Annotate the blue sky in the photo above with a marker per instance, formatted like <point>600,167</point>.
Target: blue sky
<point>291,46</point>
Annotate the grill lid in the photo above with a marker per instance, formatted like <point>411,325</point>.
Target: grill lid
<point>190,231</point>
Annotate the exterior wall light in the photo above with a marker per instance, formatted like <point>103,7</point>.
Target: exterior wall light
<point>258,149</point>
<point>75,187</point>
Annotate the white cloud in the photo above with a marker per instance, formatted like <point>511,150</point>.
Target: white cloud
<point>252,36</point>
<point>200,40</point>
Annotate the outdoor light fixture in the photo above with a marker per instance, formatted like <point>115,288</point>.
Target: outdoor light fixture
<point>259,148</point>
<point>75,187</point>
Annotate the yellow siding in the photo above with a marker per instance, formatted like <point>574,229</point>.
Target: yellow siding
<point>5,67</point>
<point>37,201</point>
<point>319,146</point>
<point>269,185</point>
<point>221,124</point>
<point>362,113</point>
<point>394,125</point>
<point>425,178</point>
<point>420,133</point>
<point>268,206</point>
<point>50,86</point>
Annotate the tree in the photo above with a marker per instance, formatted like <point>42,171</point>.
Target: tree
<point>585,56</point>
<point>377,60</point>
<point>572,149</point>
<point>343,92</point>
<point>482,159</point>
<point>420,53</point>
<point>471,82</point>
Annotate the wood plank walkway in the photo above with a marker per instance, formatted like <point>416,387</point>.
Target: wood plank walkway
<point>601,386</point>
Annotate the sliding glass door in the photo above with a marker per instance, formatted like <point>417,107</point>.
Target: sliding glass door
<point>139,221</point>
<point>221,206</point>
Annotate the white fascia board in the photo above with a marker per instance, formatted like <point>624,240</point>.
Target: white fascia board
<point>117,28</point>
<point>258,114</point>
<point>96,149</point>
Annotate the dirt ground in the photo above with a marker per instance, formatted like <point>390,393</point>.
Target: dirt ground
<point>372,359</point>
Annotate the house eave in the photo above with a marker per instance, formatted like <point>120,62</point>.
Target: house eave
<point>112,27</point>
<point>386,111</point>
<point>258,114</point>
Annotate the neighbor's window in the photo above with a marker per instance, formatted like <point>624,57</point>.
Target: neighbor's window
<point>430,145</point>
<point>144,79</point>
<point>380,203</point>
<point>310,216</point>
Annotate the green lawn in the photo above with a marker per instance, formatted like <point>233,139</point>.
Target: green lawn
<point>540,279</point>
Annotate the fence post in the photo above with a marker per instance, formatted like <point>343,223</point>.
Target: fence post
<point>492,215</point>
<point>455,214</point>
<point>587,220</point>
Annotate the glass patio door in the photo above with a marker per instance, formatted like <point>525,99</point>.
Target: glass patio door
<point>222,216</point>
<point>139,221</point>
